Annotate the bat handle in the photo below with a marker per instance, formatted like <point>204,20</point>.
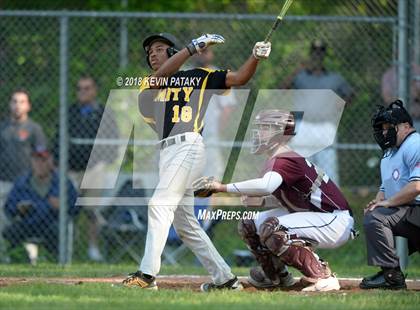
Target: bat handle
<point>268,37</point>
<point>270,33</point>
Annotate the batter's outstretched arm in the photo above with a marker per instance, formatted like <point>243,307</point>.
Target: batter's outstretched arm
<point>261,50</point>
<point>198,45</point>
<point>244,74</point>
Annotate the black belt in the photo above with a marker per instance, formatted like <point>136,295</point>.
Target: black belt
<point>171,141</point>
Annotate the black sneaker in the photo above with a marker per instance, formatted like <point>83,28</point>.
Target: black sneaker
<point>388,278</point>
<point>232,284</point>
<point>139,279</point>
<point>379,276</point>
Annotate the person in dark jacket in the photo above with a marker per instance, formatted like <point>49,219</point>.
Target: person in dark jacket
<point>84,120</point>
<point>33,204</point>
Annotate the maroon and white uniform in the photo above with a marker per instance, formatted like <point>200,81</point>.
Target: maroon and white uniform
<point>295,192</point>
<point>309,210</point>
<point>309,204</point>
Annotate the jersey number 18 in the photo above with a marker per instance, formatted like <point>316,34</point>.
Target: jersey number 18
<point>185,115</point>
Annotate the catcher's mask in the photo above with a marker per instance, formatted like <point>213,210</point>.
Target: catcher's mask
<point>272,128</point>
<point>163,37</point>
<point>393,115</point>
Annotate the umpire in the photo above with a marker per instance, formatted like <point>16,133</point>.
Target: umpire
<point>396,209</point>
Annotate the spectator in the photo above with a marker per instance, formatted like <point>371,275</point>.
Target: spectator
<point>217,116</point>
<point>33,204</point>
<point>19,134</point>
<point>314,75</point>
<point>84,120</point>
<point>389,90</point>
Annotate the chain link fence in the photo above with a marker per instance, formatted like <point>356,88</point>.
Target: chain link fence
<point>69,60</point>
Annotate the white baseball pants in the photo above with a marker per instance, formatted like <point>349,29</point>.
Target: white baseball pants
<point>173,202</point>
<point>329,230</point>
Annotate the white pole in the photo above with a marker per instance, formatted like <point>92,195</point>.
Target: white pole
<point>403,84</point>
<point>63,140</point>
<point>123,38</point>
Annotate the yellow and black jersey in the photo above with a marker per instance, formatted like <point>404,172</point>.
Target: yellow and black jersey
<point>180,104</point>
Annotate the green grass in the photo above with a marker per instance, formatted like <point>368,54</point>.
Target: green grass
<point>347,261</point>
<point>104,296</point>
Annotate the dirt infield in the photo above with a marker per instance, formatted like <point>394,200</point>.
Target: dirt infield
<point>177,282</point>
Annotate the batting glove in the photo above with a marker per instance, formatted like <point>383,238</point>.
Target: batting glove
<point>200,44</point>
<point>261,50</point>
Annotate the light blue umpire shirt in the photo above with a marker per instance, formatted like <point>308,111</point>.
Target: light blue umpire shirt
<point>401,166</point>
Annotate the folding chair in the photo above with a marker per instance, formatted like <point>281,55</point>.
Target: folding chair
<point>402,251</point>
<point>125,227</point>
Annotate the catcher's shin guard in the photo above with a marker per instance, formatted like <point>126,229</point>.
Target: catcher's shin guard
<point>270,264</point>
<point>295,254</point>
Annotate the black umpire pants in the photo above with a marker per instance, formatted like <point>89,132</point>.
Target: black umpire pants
<point>381,225</point>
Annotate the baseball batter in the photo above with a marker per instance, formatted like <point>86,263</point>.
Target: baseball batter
<point>312,213</point>
<point>173,103</point>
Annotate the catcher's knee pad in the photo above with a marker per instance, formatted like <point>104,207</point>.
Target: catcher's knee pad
<point>248,232</point>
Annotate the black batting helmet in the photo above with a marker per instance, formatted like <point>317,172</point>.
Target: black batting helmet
<point>167,38</point>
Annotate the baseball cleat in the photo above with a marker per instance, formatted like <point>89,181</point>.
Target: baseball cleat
<point>232,284</point>
<point>390,279</point>
<point>324,285</point>
<point>258,279</point>
<point>379,276</point>
<point>138,279</point>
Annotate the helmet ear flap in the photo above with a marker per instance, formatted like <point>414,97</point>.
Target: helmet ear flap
<point>171,51</point>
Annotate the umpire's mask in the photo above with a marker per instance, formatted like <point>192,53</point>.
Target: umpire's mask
<point>393,115</point>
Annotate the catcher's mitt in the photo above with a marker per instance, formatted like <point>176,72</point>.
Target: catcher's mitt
<point>204,187</point>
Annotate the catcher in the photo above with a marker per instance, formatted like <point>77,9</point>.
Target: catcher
<point>310,210</point>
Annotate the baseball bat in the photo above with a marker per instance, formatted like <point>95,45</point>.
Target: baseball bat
<point>234,154</point>
<point>279,18</point>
